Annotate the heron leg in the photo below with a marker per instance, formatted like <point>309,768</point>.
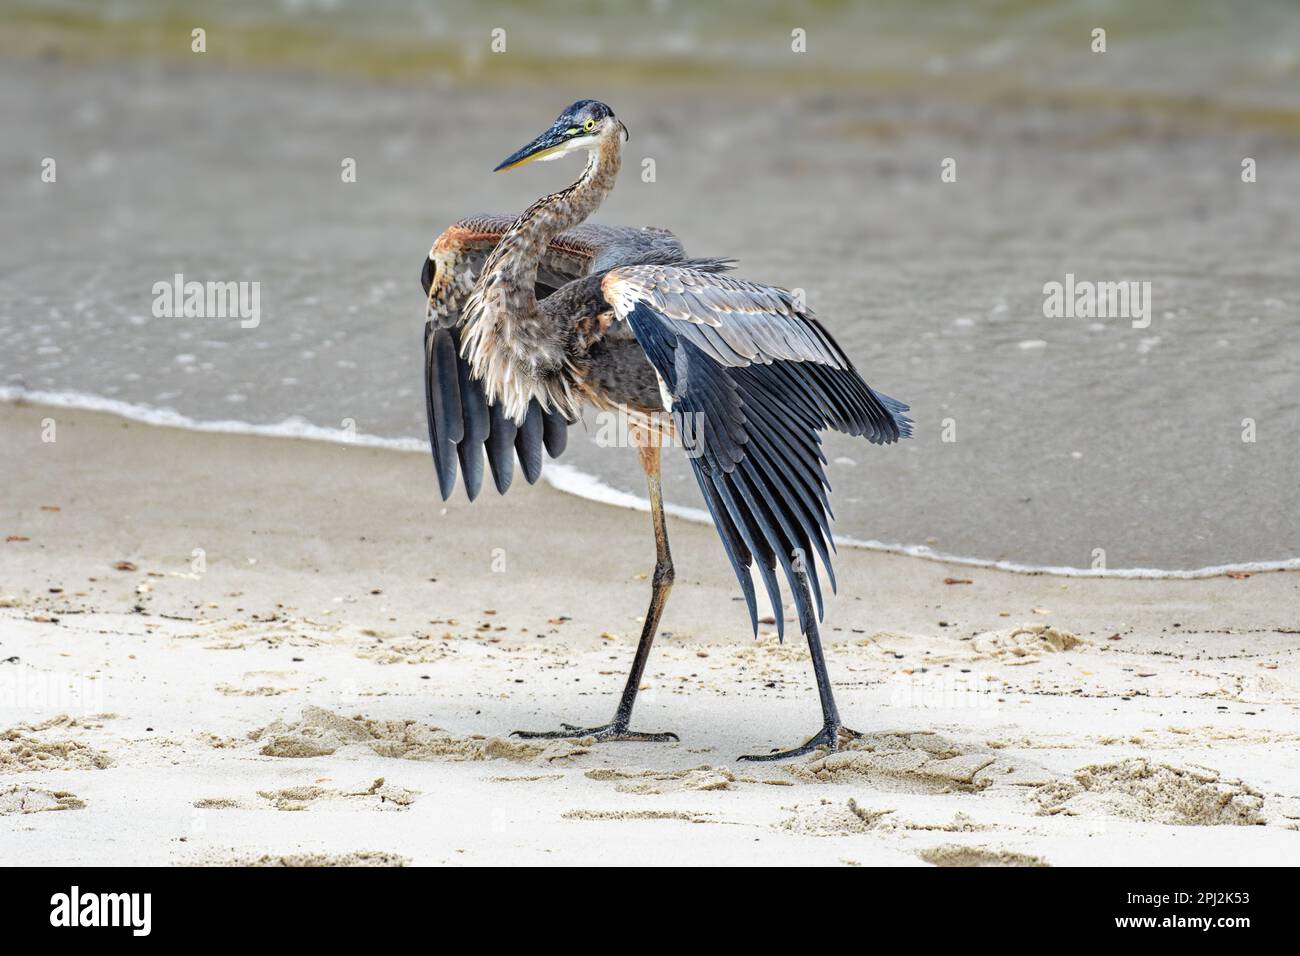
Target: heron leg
<point>832,728</point>
<point>661,585</point>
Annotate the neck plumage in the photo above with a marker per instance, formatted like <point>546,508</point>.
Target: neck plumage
<point>517,355</point>
<point>513,265</point>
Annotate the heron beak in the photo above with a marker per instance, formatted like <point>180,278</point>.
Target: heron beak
<point>548,144</point>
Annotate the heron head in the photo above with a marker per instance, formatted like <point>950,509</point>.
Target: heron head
<point>584,125</point>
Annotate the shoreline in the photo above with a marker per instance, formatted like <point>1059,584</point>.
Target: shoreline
<point>569,480</point>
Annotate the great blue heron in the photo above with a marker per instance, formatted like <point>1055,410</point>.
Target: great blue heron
<point>530,318</point>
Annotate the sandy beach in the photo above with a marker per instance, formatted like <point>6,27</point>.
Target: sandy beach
<point>225,649</point>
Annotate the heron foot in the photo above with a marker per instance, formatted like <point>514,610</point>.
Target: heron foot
<point>605,732</point>
<point>829,737</point>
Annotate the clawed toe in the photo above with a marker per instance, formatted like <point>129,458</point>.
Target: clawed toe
<point>828,737</point>
<point>664,737</point>
<point>607,732</point>
<point>545,734</point>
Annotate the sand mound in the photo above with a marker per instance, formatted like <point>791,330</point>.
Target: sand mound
<point>321,732</point>
<point>665,781</point>
<point>359,858</point>
<point>262,683</point>
<point>911,767</point>
<point>828,818</point>
<point>420,649</point>
<point>688,816</point>
<point>1026,641</point>
<point>960,823</point>
<point>20,799</point>
<point>21,751</point>
<point>379,795</point>
<point>262,690</point>
<point>1014,645</point>
<point>1154,793</point>
<point>952,854</point>
<point>769,649</point>
<point>921,762</point>
<point>673,781</point>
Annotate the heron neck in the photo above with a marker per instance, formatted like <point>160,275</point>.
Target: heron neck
<point>545,219</point>
<point>511,349</point>
<point>574,204</point>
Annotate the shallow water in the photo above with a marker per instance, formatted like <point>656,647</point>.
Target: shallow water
<point>1071,434</point>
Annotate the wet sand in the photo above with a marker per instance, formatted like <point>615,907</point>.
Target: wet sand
<point>332,675</point>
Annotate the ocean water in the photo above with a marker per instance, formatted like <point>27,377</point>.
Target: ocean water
<point>1040,441</point>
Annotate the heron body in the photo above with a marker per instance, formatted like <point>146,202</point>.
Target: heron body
<point>530,319</point>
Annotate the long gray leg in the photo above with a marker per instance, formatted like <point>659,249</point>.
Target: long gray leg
<point>661,585</point>
<point>829,735</point>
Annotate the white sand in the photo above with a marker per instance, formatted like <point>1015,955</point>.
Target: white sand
<point>269,708</point>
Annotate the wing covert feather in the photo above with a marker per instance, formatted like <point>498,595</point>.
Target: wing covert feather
<point>753,379</point>
<point>464,427</point>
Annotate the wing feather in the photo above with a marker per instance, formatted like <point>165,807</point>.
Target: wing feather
<point>442,403</point>
<point>753,380</point>
<point>555,433</point>
<point>528,443</point>
<point>478,425</point>
<point>500,448</point>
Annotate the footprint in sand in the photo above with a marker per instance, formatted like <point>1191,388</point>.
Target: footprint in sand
<point>261,690</point>
<point>22,750</point>
<point>1026,641</point>
<point>704,777</point>
<point>687,816</point>
<point>919,763</point>
<point>831,818</point>
<point>23,799</point>
<point>1014,645</point>
<point>952,854</point>
<point>421,649</point>
<point>359,858</point>
<point>665,781</point>
<point>1154,793</point>
<point>321,732</point>
<point>379,795</point>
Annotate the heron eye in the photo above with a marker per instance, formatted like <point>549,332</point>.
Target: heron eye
<point>589,125</point>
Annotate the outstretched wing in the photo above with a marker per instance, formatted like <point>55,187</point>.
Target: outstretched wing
<point>464,427</point>
<point>752,378</point>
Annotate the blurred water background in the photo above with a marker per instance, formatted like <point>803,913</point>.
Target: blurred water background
<point>817,170</point>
